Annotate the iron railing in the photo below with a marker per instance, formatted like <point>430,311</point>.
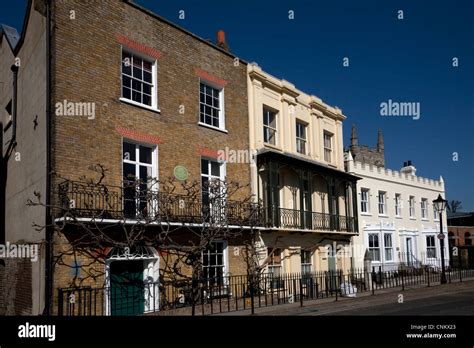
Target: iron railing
<point>309,220</point>
<point>234,293</point>
<point>137,201</point>
<point>133,201</point>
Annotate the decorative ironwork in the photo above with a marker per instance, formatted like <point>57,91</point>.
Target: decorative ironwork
<point>308,220</point>
<point>135,202</point>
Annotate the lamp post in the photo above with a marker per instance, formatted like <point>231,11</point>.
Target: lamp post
<point>440,204</point>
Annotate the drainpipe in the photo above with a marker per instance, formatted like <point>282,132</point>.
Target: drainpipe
<point>14,68</point>
<point>48,293</point>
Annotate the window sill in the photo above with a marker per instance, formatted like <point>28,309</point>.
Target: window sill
<point>272,146</point>
<point>398,217</point>
<point>412,218</point>
<point>383,215</point>
<point>425,219</point>
<point>212,127</point>
<point>365,214</point>
<point>146,107</point>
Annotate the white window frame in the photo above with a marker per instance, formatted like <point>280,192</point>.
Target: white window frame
<point>301,139</point>
<point>210,177</point>
<point>366,201</point>
<point>306,267</point>
<point>398,204</point>
<point>388,248</point>
<point>377,248</point>
<point>269,127</point>
<point>137,164</point>
<point>435,214</point>
<point>154,73</point>
<point>411,206</point>
<point>382,204</point>
<point>220,89</point>
<point>431,247</point>
<point>327,143</point>
<point>424,208</point>
<point>225,260</point>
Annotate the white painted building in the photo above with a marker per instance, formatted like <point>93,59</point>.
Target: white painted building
<point>397,219</point>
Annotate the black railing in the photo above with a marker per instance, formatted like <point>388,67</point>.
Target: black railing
<point>309,220</point>
<point>234,293</point>
<point>133,201</point>
<point>137,201</point>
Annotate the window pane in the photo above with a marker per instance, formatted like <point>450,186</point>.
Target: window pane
<point>136,85</point>
<point>204,166</point>
<point>136,96</point>
<point>126,63</point>
<point>129,151</point>
<point>272,120</point>
<point>147,100</point>
<point>146,89</point>
<point>126,81</point>
<point>144,174</point>
<point>145,154</point>
<point>126,93</point>
<point>129,171</point>
<point>215,169</point>
<point>147,66</point>
<point>137,73</point>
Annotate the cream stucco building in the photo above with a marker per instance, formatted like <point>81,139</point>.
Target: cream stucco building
<point>309,200</point>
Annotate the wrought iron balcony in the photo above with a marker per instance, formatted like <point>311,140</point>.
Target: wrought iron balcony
<point>84,200</point>
<point>308,220</point>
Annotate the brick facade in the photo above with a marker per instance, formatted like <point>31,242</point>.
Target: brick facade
<point>87,68</point>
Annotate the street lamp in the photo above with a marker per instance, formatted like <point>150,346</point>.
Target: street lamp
<point>440,204</point>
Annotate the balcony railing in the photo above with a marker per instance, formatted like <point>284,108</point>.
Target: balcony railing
<point>79,199</point>
<point>135,201</point>
<point>308,220</point>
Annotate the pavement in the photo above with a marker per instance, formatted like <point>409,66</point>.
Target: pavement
<point>448,299</point>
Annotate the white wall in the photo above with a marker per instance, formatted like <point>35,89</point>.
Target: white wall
<point>403,226</point>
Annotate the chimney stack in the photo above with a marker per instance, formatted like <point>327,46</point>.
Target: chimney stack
<point>408,168</point>
<point>221,40</point>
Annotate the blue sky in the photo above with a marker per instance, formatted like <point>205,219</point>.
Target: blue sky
<point>407,60</point>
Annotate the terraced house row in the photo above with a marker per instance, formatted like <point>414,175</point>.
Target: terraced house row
<point>113,129</point>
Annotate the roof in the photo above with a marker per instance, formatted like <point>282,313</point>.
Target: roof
<point>459,215</point>
<point>303,162</point>
<point>11,34</point>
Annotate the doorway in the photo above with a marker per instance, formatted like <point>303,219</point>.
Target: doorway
<point>126,287</point>
<point>409,249</point>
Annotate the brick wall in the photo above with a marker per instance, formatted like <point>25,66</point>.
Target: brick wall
<point>87,68</point>
<point>15,287</point>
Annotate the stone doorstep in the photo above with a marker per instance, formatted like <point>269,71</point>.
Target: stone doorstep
<point>326,305</point>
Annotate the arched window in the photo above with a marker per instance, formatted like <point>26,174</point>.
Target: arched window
<point>451,239</point>
<point>467,239</point>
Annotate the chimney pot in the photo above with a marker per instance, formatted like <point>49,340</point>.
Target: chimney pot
<point>221,40</point>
